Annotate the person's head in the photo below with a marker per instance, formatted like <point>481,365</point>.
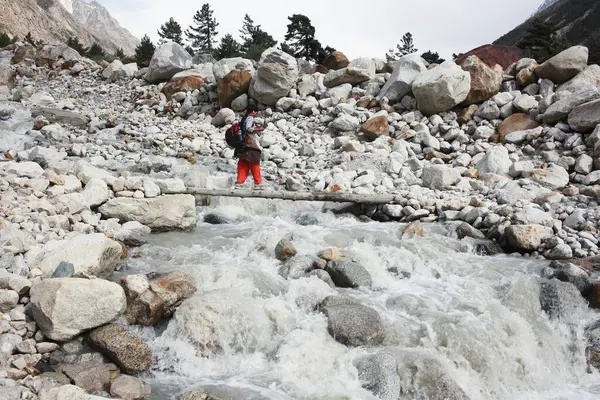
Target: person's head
<point>251,110</point>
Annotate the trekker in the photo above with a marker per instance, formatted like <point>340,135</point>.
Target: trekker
<point>249,156</point>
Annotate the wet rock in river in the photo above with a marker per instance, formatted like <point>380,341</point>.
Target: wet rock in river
<point>567,272</point>
<point>126,387</point>
<point>351,323</point>
<point>284,250</point>
<point>153,297</point>
<point>379,375</point>
<point>560,299</point>
<point>197,394</point>
<point>123,347</point>
<point>215,218</point>
<point>348,274</point>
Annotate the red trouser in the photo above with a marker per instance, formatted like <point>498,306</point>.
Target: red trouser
<point>244,167</point>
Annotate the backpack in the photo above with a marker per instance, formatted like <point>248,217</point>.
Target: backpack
<point>233,137</point>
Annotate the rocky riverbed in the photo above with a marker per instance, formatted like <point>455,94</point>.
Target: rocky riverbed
<point>96,158</point>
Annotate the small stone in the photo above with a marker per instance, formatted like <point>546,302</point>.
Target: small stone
<point>331,254</point>
<point>284,250</point>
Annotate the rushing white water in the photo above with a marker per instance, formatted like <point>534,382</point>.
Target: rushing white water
<point>477,317</point>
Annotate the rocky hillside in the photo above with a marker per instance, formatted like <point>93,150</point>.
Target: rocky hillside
<point>51,21</point>
<point>577,19</point>
<point>100,23</point>
<point>542,7</point>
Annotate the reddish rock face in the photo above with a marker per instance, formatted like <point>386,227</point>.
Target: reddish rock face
<point>514,123</point>
<point>375,127</point>
<point>186,84</point>
<point>493,54</point>
<point>235,83</point>
<point>336,60</point>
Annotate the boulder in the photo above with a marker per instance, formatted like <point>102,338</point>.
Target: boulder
<point>117,70</point>
<point>441,88</point>
<point>378,374</point>
<point>591,74</point>
<point>276,74</point>
<point>182,84</point>
<point>67,392</point>
<point>485,81</point>
<point>204,71</point>
<point>7,75</point>
<point>24,54</point>
<point>168,59</point>
<point>93,254</point>
<point>48,54</point>
<point>163,213</point>
<point>586,117</point>
<point>349,75</point>
<point>222,67</point>
<point>336,60</point>
<point>554,177</point>
<point>65,307</point>
<point>440,176</point>
<point>493,54</point>
<point>284,250</point>
<point>123,347</point>
<point>571,273</point>
<point>527,237</point>
<point>560,299</point>
<point>560,110</point>
<point>95,192</point>
<point>348,273</point>
<point>495,161</point>
<point>406,69</point>
<point>26,169</point>
<point>351,323</point>
<point>197,394</point>
<point>375,127</point>
<point>515,122</point>
<point>364,63</point>
<point>63,117</point>
<point>126,387</point>
<point>154,297</point>
<point>565,65</point>
<point>233,85</point>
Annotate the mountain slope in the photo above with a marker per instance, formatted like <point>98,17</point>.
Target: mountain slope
<point>100,23</point>
<point>51,21</point>
<point>45,19</point>
<point>577,20</point>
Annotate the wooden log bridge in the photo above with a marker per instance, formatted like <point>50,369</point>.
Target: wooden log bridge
<point>337,197</point>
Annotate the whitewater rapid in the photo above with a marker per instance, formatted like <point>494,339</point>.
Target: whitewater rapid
<point>477,318</point>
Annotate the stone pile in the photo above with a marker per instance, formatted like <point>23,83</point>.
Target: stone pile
<point>96,157</point>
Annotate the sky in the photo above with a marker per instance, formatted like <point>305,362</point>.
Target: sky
<point>357,28</point>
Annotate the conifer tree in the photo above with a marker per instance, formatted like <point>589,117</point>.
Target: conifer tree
<point>145,51</point>
<point>202,34</point>
<point>228,47</point>
<point>120,54</point>
<point>75,44</point>
<point>300,39</point>
<point>432,58</point>
<point>542,40</point>
<point>406,46</point>
<point>254,41</point>
<point>5,40</point>
<point>170,30</point>
<point>96,51</point>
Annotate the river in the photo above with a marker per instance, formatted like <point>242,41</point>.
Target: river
<point>477,317</point>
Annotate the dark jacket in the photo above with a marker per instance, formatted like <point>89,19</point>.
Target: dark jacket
<point>251,152</point>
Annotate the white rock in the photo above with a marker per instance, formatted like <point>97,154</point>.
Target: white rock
<point>554,177</point>
<point>221,68</point>
<point>276,74</point>
<point>224,116</point>
<point>441,88</point>
<point>26,169</point>
<point>406,69</point>
<point>168,59</point>
<point>65,307</point>
<point>345,123</point>
<point>495,161</point>
<point>93,254</point>
<point>95,192</point>
<point>440,176</point>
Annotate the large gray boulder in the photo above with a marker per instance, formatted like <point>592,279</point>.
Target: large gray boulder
<point>378,374</point>
<point>591,74</point>
<point>92,254</point>
<point>67,392</point>
<point>204,71</point>
<point>406,69</point>
<point>168,59</point>
<point>163,213</point>
<point>65,307</point>
<point>351,323</point>
<point>495,161</point>
<point>562,108</point>
<point>117,70</point>
<point>565,65</point>
<point>123,347</point>
<point>350,75</point>
<point>348,273</point>
<point>221,68</point>
<point>441,88</point>
<point>586,117</point>
<point>554,177</point>
<point>366,64</point>
<point>277,73</point>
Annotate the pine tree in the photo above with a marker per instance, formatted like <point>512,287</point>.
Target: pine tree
<point>254,40</point>
<point>5,40</point>
<point>96,51</point>
<point>75,44</point>
<point>300,39</point>
<point>228,48</point>
<point>203,35</point>
<point>145,51</point>
<point>406,46</point>
<point>324,53</point>
<point>120,54</point>
<point>170,31</point>
<point>432,58</point>
<point>542,40</point>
